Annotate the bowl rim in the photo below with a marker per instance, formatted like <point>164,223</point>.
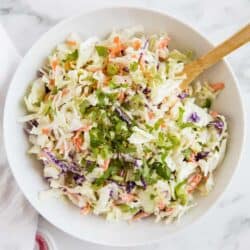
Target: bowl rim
<point>144,9</point>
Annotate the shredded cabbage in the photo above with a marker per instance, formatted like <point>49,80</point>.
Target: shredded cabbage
<point>116,135</point>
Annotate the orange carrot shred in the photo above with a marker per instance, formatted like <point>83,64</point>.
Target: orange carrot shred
<point>71,43</point>
<point>217,86</point>
<point>163,43</point>
<point>54,63</point>
<point>127,197</point>
<point>52,82</point>
<point>193,181</point>
<point>116,39</point>
<point>192,157</point>
<point>214,114</point>
<point>106,164</point>
<point>86,210</point>
<point>151,115</point>
<point>65,91</point>
<point>121,96</point>
<point>136,44</point>
<point>45,131</point>
<point>140,215</point>
<point>77,141</point>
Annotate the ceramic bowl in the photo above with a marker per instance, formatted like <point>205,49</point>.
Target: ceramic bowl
<point>27,170</point>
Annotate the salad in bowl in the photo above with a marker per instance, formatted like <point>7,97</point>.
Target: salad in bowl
<point>115,133</point>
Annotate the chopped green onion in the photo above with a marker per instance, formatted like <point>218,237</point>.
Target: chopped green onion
<point>73,56</point>
<point>127,209</point>
<point>187,153</point>
<point>83,106</point>
<point>102,51</point>
<point>112,69</point>
<point>207,103</point>
<point>133,66</point>
<point>162,170</point>
<point>181,193</point>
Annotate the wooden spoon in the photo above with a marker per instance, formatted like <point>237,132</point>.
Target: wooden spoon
<point>196,67</point>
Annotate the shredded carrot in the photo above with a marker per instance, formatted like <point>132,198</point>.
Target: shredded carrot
<point>217,86</point>
<point>65,91</point>
<point>92,69</point>
<point>163,43</point>
<point>142,63</point>
<point>106,164</point>
<point>214,114</point>
<point>71,42</point>
<point>77,140</point>
<point>121,96</point>
<point>86,210</point>
<point>45,131</point>
<point>52,82</point>
<point>106,81</point>
<point>169,210</point>
<point>54,63</point>
<point>192,157</point>
<point>114,51</point>
<point>140,215</point>
<point>67,65</point>
<point>193,181</point>
<point>151,115</point>
<point>127,197</point>
<point>116,39</point>
<point>137,44</point>
<point>78,143</point>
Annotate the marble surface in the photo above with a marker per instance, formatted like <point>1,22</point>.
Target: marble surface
<point>227,226</point>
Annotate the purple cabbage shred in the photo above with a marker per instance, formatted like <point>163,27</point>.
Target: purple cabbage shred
<point>64,166</point>
<point>128,158</point>
<point>111,193</point>
<point>140,57</point>
<point>145,44</point>
<point>183,95</point>
<point>194,117</point>
<point>126,69</point>
<point>129,186</point>
<point>79,179</point>
<point>123,116</point>
<point>201,155</point>
<point>144,185</point>
<point>218,124</point>
<point>158,66</point>
<point>146,91</point>
<point>138,163</point>
<point>29,126</point>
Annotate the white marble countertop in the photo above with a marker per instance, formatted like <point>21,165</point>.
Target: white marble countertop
<point>227,226</point>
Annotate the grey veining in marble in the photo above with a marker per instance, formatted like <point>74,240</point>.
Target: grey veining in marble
<point>227,226</point>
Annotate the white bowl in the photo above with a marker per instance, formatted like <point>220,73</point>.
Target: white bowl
<point>27,170</point>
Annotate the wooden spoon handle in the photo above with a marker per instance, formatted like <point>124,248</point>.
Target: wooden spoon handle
<point>193,69</point>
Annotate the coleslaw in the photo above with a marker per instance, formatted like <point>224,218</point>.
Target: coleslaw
<point>116,135</point>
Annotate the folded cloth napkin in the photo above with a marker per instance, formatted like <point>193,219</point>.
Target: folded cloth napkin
<point>18,220</point>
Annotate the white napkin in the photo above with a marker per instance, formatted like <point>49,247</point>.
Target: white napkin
<point>18,220</point>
